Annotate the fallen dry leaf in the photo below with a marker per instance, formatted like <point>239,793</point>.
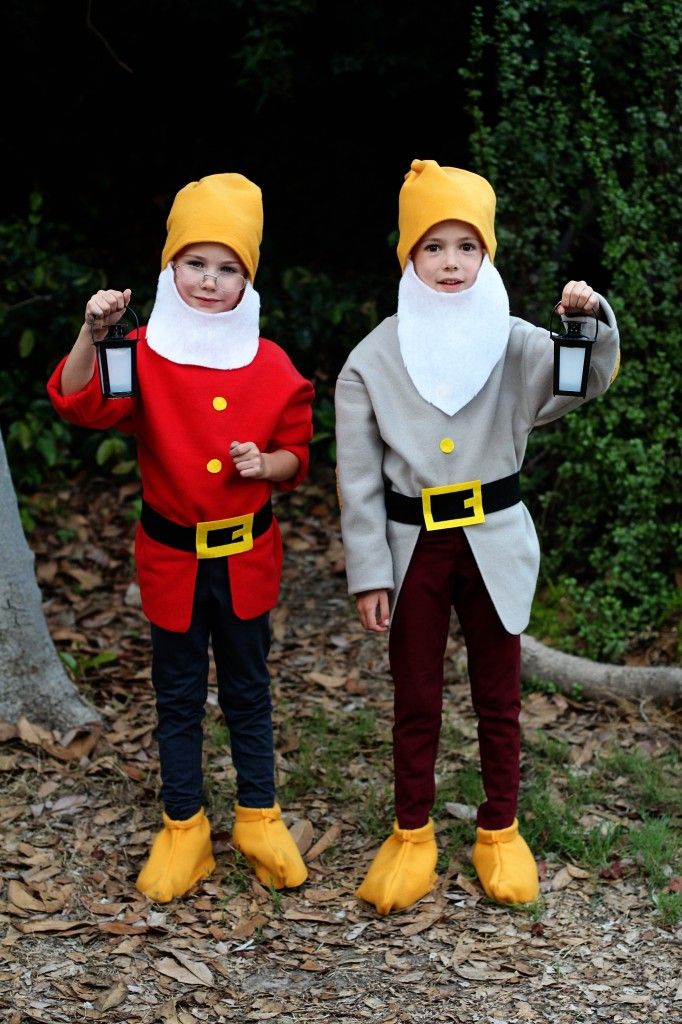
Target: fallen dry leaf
<point>424,921</point>
<point>302,834</point>
<point>325,841</point>
<point>52,924</point>
<point>88,580</point>
<point>485,974</point>
<point>121,928</point>
<point>576,872</point>
<point>196,968</point>
<point>314,965</point>
<point>33,734</point>
<point>464,812</point>
<point>113,997</point>
<point>106,909</point>
<point>172,969</point>
<point>462,882</point>
<point>330,682</point>
<point>561,879</point>
<point>20,897</point>
<point>248,925</point>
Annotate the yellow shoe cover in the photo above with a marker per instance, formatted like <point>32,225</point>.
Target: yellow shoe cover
<point>403,870</point>
<point>181,854</point>
<point>261,835</point>
<point>505,866</point>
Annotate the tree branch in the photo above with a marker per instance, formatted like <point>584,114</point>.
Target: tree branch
<point>96,31</point>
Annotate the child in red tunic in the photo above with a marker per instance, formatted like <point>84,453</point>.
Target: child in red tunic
<point>221,415</point>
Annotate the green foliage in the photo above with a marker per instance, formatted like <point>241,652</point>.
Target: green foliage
<point>80,664</point>
<point>605,205</point>
<point>266,58</point>
<point>331,755</point>
<point>668,908</point>
<point>653,784</point>
<point>318,320</point>
<point>115,450</point>
<point>559,804</point>
<point>43,291</point>
<point>656,850</point>
<point>42,440</point>
<point>324,422</point>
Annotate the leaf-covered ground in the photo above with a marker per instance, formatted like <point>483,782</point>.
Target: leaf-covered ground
<point>78,815</point>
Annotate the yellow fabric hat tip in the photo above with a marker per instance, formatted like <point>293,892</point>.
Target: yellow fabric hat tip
<point>225,208</point>
<point>431,194</point>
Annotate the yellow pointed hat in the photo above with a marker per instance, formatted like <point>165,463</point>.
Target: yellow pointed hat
<point>431,193</point>
<point>225,208</point>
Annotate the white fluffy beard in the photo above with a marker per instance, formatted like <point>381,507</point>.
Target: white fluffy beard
<point>451,342</point>
<point>220,341</point>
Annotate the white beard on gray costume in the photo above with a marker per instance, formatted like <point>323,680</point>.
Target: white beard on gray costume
<point>450,343</point>
<point>220,341</point>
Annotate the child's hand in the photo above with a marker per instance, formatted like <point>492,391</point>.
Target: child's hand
<point>248,459</point>
<point>372,608</point>
<point>106,307</point>
<point>578,297</point>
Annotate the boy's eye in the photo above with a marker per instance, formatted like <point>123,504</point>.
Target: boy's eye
<point>431,247</point>
<point>228,270</point>
<point>468,246</point>
<point>195,264</point>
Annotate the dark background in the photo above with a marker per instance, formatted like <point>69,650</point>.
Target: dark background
<point>569,107</point>
<point>119,105</point>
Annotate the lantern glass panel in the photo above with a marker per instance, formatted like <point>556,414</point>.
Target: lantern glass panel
<point>120,364</point>
<point>571,365</point>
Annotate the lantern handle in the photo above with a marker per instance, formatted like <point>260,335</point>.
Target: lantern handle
<point>555,314</point>
<point>130,309</point>
<point>126,309</point>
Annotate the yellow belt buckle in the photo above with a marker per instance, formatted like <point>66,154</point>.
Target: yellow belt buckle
<point>243,536</point>
<point>475,502</point>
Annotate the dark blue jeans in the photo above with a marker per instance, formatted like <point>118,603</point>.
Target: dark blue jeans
<point>180,676</point>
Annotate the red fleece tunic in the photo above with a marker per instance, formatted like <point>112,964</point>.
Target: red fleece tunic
<point>185,418</point>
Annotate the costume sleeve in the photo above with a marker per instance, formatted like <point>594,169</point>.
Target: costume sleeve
<point>538,369</point>
<point>88,407</point>
<point>294,431</point>
<point>359,456</point>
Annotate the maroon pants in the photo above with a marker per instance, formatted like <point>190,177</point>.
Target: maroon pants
<point>443,574</point>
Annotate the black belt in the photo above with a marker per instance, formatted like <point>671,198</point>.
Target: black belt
<point>212,539</point>
<point>461,504</point>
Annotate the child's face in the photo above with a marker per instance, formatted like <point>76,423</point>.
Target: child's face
<point>209,276</point>
<point>448,256</point>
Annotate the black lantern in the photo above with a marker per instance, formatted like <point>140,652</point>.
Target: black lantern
<point>572,354</point>
<point>116,357</point>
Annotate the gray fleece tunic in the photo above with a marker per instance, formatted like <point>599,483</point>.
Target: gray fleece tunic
<point>386,432</point>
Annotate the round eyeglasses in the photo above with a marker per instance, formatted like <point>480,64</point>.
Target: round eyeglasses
<point>227,278</point>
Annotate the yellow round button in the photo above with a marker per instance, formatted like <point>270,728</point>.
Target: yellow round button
<point>219,403</point>
<point>447,445</point>
<point>214,466</point>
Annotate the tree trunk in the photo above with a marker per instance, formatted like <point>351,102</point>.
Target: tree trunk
<point>598,681</point>
<point>33,682</point>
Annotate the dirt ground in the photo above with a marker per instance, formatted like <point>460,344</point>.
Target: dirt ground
<point>78,943</point>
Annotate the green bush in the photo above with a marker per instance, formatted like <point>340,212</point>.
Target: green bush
<point>318,319</point>
<point>588,186</point>
<point>43,291</point>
